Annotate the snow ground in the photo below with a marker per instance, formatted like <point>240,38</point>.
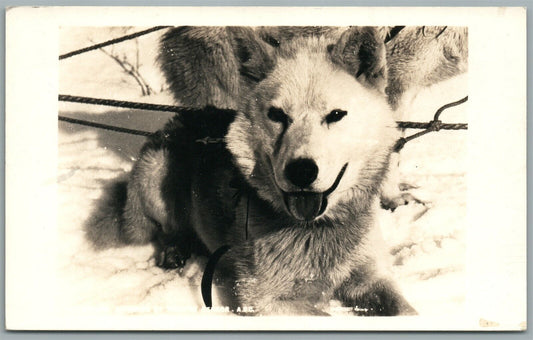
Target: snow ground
<point>427,242</point>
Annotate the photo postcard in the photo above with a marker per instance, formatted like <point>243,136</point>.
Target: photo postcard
<point>265,168</point>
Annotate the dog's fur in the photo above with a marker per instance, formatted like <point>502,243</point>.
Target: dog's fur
<point>202,69</point>
<point>419,57</point>
<point>294,247</point>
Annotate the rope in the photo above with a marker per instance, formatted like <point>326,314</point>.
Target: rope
<point>444,126</point>
<point>104,126</point>
<point>434,125</point>
<point>205,140</point>
<point>122,103</point>
<point>111,42</point>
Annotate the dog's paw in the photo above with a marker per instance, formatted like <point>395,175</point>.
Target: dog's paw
<point>171,257</point>
<point>382,301</point>
<point>406,186</point>
<point>391,203</point>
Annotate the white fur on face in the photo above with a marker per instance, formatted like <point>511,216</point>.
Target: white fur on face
<point>308,86</point>
<point>241,144</point>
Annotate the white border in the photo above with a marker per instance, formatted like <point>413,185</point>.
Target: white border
<point>496,243</point>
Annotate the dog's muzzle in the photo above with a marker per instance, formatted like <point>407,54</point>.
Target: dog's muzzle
<point>308,205</point>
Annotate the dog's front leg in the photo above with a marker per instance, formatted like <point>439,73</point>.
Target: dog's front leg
<point>393,193</point>
<point>270,285</point>
<point>373,297</point>
<point>295,300</point>
<point>172,250</point>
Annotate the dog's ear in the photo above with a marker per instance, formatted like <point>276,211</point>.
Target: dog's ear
<point>253,54</point>
<point>361,51</point>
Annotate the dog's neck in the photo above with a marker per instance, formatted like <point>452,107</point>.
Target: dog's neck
<point>258,218</point>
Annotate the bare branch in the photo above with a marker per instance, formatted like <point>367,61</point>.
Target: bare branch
<point>131,69</point>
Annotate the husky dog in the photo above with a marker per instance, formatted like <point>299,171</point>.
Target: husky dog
<point>203,68</point>
<point>292,188</point>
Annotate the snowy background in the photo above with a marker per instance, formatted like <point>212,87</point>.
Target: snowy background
<point>427,241</point>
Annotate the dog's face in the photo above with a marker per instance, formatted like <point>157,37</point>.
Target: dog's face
<point>312,133</point>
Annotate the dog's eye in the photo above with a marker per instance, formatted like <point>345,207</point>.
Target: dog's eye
<point>272,41</point>
<point>335,116</point>
<point>277,115</point>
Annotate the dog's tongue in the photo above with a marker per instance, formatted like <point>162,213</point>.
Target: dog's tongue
<point>304,206</point>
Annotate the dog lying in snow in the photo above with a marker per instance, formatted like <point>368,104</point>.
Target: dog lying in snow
<point>292,189</point>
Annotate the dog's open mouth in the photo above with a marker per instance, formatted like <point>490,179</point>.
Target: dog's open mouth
<point>307,205</point>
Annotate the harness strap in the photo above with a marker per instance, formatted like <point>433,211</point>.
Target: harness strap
<point>207,278</point>
<point>393,32</point>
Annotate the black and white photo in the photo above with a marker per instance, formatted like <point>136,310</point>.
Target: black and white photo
<point>274,169</point>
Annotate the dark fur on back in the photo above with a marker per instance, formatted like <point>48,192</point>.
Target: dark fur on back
<point>118,219</point>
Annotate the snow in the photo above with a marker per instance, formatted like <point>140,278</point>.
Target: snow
<point>427,241</point>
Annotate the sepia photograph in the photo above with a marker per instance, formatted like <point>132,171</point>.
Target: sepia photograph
<point>250,172</point>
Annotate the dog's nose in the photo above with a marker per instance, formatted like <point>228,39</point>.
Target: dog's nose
<point>301,172</point>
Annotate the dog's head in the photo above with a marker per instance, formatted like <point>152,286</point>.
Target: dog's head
<point>314,127</point>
